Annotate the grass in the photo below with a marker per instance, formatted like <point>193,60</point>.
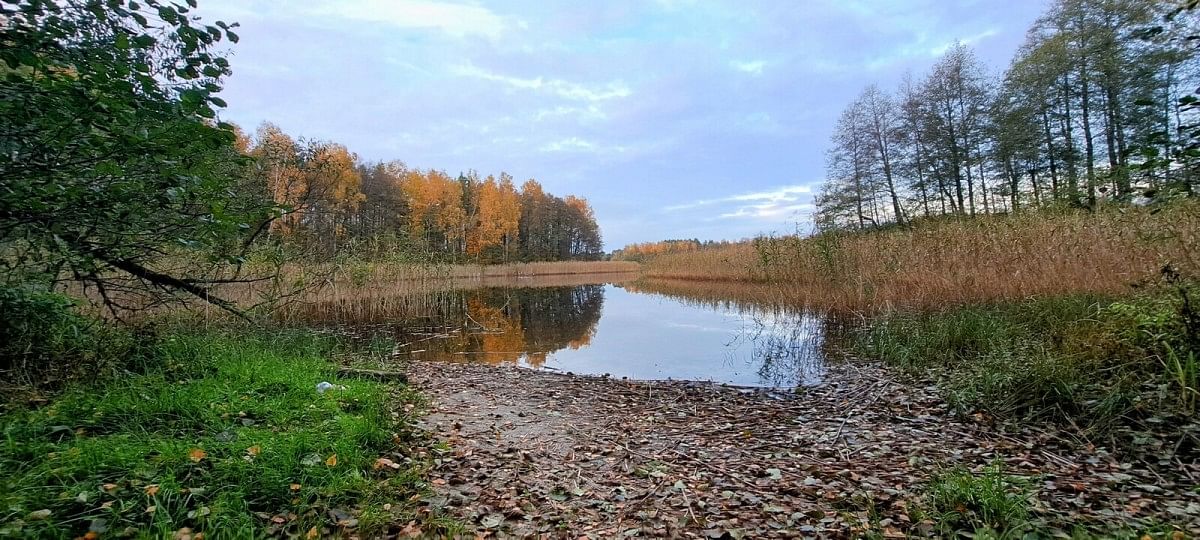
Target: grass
<point>987,504</point>
<point>1085,359</point>
<point>222,433</point>
<point>934,263</point>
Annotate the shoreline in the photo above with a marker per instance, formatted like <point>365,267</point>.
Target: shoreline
<point>536,452</point>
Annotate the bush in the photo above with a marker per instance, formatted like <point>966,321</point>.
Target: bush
<point>45,340</point>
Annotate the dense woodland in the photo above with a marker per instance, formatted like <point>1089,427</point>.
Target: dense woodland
<point>1096,106</point>
<point>332,202</point>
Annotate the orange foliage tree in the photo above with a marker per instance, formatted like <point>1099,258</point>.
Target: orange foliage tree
<point>330,200</point>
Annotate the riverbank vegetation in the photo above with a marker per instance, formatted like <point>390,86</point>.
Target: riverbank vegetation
<point>946,261</point>
<point>360,272</point>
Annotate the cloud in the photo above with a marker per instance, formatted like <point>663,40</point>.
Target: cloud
<point>969,40</point>
<point>766,211</point>
<point>591,112</point>
<point>575,144</point>
<point>558,87</point>
<point>754,67</point>
<point>778,195</point>
<point>772,204</point>
<point>921,48</point>
<point>455,19</point>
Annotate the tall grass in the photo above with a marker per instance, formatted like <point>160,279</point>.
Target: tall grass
<point>947,261</point>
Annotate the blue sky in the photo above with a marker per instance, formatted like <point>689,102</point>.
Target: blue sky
<point>675,118</point>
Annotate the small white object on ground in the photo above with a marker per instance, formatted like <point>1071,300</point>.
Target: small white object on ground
<point>326,385</point>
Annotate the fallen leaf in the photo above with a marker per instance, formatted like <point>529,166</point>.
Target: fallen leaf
<point>312,533</point>
<point>385,462</point>
<point>152,490</point>
<point>331,461</point>
<point>196,454</point>
<point>294,487</point>
<point>491,521</point>
<point>38,515</point>
<point>254,450</point>
<point>411,530</point>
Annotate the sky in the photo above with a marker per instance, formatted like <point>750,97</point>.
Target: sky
<point>674,118</point>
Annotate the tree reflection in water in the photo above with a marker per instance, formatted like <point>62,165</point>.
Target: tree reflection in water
<point>526,324</point>
<point>498,325</point>
<point>654,330</point>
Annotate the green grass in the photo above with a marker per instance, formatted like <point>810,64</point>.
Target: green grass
<point>124,454</point>
<point>1089,360</point>
<point>989,504</point>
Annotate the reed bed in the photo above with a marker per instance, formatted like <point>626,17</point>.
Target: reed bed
<point>948,262</point>
<point>379,272</point>
<point>403,300</point>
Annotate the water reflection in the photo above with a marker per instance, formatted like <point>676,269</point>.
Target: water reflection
<point>643,331</point>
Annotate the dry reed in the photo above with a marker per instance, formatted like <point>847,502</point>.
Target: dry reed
<point>949,262</point>
<point>380,272</point>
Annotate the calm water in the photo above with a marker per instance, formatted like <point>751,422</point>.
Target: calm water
<point>624,330</point>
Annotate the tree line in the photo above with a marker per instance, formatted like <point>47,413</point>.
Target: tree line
<point>642,251</point>
<point>332,202</point>
<point>1095,106</point>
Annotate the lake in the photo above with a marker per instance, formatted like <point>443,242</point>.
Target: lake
<point>595,325</point>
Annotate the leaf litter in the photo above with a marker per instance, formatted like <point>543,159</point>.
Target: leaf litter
<point>536,453</point>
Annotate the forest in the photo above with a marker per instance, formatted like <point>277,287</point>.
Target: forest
<point>330,202</point>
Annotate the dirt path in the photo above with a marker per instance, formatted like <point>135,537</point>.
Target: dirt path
<point>538,453</point>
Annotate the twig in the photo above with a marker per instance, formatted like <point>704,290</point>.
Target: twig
<point>689,506</point>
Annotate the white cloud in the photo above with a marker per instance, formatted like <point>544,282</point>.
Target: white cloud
<point>969,40</point>
<point>557,87</point>
<point>754,67</point>
<point>766,211</point>
<point>576,144</point>
<point>924,47</point>
<point>773,204</point>
<point>454,19</point>
<point>778,195</point>
<point>590,112</point>
<point>569,143</point>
